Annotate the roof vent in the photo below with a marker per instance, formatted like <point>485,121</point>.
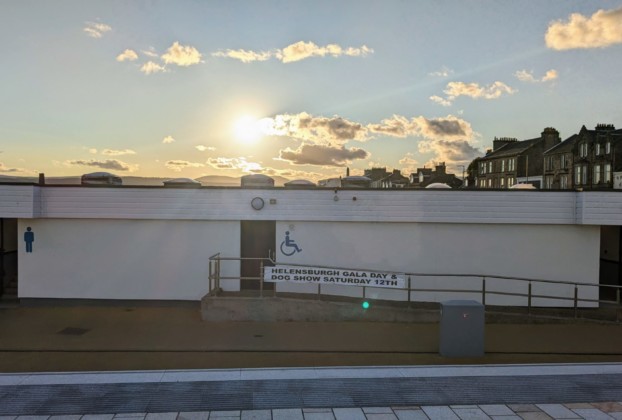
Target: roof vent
<point>438,185</point>
<point>182,183</point>
<point>299,183</point>
<point>522,187</point>
<point>100,178</point>
<point>257,181</point>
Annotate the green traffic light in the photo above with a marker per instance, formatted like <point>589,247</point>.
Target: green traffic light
<point>365,305</point>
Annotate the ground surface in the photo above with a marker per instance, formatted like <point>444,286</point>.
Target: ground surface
<point>137,338</point>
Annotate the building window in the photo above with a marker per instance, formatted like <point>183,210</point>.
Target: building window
<point>607,177</point>
<point>597,149</point>
<point>502,165</point>
<point>548,162</point>
<point>563,161</point>
<point>563,182</point>
<point>489,183</point>
<point>511,164</point>
<point>502,182</point>
<point>596,179</point>
<point>580,174</point>
<point>608,147</point>
<point>548,182</point>
<point>483,168</point>
<point>510,181</point>
<point>583,150</point>
<point>490,167</point>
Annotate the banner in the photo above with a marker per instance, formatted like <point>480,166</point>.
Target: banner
<point>333,276</point>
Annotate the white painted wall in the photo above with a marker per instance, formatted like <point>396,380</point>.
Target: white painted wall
<point>124,259</point>
<point>568,253</point>
<point>18,201</point>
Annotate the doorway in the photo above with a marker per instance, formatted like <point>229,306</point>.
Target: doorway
<point>258,239</point>
<point>610,261</point>
<point>8,259</point>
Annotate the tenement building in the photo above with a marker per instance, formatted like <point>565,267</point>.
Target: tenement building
<point>426,176</point>
<point>586,160</point>
<point>511,161</point>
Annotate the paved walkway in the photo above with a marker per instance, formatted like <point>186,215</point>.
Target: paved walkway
<point>157,342</point>
<point>527,392</point>
<point>150,338</point>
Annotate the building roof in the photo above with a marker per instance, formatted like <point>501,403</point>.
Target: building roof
<point>564,146</point>
<point>512,149</point>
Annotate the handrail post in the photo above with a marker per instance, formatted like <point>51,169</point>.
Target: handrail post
<point>409,287</point>
<point>576,298</point>
<point>209,275</point>
<point>484,290</point>
<point>529,299</point>
<point>319,291</point>
<point>261,278</point>
<point>364,292</point>
<point>218,275</point>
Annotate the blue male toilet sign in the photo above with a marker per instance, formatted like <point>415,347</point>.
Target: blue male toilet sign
<point>289,246</point>
<point>29,238</point>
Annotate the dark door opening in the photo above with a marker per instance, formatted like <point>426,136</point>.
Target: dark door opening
<point>258,239</point>
<point>610,261</point>
<point>8,259</point>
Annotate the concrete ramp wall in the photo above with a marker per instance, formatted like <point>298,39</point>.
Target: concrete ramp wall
<point>274,309</point>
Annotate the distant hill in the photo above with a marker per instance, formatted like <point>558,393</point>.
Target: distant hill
<point>209,180</point>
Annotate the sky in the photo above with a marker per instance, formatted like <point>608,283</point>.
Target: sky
<point>299,89</point>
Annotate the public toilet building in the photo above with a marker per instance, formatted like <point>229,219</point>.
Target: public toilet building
<point>154,243</point>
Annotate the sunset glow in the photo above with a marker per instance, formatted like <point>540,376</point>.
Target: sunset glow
<point>232,88</point>
<point>247,129</point>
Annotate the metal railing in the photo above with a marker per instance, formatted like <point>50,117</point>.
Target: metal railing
<point>482,291</point>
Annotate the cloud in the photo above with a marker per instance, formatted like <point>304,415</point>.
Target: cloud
<point>127,55</point>
<point>96,29</point>
<point>527,76</point>
<point>301,50</point>
<point>5,169</point>
<point>178,165</point>
<point>151,67</point>
<point>443,72</point>
<point>234,163</point>
<point>291,173</point>
<point>602,29</point>
<point>409,163</point>
<point>313,154</point>
<point>181,55</point>
<point>202,148</point>
<point>440,101</point>
<point>449,127</point>
<point>303,126</point>
<point>168,140</point>
<point>245,56</point>
<point>549,75</point>
<point>151,52</point>
<point>473,90</point>
<point>112,152</point>
<point>112,164</point>
<point>93,151</point>
<point>295,52</point>
<point>453,153</point>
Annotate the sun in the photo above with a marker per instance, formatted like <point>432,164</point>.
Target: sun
<point>247,129</point>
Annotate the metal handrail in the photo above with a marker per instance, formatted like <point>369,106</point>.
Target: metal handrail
<point>216,277</point>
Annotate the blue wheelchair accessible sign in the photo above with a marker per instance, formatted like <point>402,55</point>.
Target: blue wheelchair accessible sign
<point>289,246</point>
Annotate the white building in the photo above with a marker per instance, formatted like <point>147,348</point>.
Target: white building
<point>153,243</point>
